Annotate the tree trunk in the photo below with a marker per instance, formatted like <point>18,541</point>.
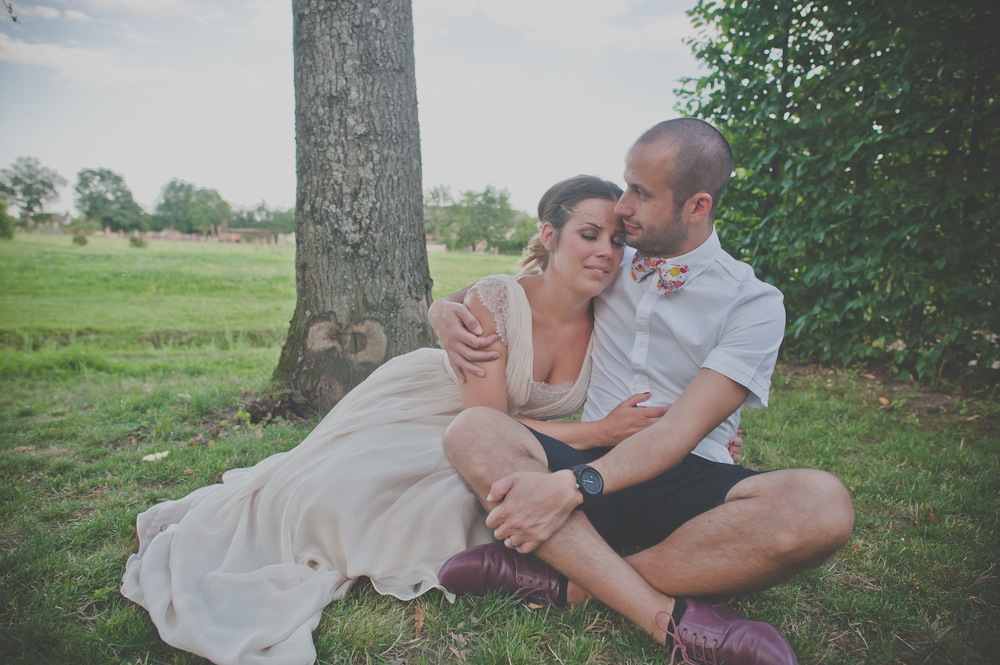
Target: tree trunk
<point>361,260</point>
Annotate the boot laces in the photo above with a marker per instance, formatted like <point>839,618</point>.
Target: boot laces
<point>679,647</point>
<point>708,655</point>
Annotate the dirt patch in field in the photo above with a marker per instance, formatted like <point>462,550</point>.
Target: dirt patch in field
<point>932,407</point>
<point>40,451</point>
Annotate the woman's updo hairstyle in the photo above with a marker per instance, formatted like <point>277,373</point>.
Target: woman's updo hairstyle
<point>555,208</point>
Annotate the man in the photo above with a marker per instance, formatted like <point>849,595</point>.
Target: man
<point>684,321</point>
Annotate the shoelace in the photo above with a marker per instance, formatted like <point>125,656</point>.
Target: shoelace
<point>529,592</point>
<point>707,652</point>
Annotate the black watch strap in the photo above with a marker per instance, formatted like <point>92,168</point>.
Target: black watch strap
<point>589,482</point>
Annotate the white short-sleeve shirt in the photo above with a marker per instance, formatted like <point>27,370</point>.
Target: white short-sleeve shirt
<point>722,318</point>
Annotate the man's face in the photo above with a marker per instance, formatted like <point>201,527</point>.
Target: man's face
<point>652,219</point>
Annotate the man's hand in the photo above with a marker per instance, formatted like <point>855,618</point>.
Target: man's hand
<point>627,418</point>
<point>458,331</point>
<point>533,506</point>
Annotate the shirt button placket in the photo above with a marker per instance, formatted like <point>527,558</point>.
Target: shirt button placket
<point>640,380</point>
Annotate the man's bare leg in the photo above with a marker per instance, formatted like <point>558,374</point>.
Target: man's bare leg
<point>485,446</point>
<point>771,527</point>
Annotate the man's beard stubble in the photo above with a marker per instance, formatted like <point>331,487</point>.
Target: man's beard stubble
<point>667,241</point>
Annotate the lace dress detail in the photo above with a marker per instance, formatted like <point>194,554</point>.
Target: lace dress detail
<point>543,394</point>
<point>493,294</point>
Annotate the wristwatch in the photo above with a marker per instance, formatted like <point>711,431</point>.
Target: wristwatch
<point>589,482</point>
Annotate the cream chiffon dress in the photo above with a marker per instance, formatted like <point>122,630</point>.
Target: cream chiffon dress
<point>239,572</point>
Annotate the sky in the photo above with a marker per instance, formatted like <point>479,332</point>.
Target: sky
<point>517,94</point>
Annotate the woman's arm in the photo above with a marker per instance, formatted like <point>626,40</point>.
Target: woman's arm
<point>488,385</point>
<point>461,335</point>
<point>624,420</point>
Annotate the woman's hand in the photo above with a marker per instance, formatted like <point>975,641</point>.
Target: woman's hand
<point>734,446</point>
<point>627,418</point>
<point>458,331</point>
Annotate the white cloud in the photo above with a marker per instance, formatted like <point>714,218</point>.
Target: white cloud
<point>99,68</point>
<point>36,11</point>
<point>134,7</point>
<point>573,25</point>
<point>74,15</point>
<point>140,38</point>
<point>107,69</point>
<point>270,20</point>
<point>77,64</point>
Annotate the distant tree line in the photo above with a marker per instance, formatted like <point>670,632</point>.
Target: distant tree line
<point>104,200</point>
<point>483,220</point>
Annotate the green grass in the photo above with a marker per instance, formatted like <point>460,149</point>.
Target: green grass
<point>97,371</point>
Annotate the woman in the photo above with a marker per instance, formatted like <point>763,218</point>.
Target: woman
<point>240,572</point>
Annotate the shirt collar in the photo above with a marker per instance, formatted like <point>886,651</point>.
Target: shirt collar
<point>697,260</point>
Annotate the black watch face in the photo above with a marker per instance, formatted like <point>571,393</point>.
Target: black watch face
<point>591,482</point>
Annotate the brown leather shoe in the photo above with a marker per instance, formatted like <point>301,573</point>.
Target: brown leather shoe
<point>711,632</point>
<point>493,567</point>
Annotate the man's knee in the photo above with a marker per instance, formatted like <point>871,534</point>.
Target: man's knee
<point>833,520</point>
<point>465,433</point>
<point>814,513</point>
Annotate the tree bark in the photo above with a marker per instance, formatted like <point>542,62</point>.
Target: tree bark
<point>363,285</point>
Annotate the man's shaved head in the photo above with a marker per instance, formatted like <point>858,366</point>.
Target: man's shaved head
<point>703,159</point>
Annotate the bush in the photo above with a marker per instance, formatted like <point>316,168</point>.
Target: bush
<point>80,239</point>
<point>866,137</point>
<point>7,223</point>
<point>137,242</point>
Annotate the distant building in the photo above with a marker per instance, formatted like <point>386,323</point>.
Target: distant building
<point>246,235</point>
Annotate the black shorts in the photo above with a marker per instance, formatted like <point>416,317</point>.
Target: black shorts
<point>645,514</point>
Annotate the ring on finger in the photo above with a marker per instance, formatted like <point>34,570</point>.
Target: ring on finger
<point>510,543</point>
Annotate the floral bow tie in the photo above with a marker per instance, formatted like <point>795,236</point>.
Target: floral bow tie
<point>672,275</point>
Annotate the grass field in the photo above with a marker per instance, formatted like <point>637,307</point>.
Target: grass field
<point>108,354</point>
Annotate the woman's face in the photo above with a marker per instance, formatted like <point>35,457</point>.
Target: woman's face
<point>590,247</point>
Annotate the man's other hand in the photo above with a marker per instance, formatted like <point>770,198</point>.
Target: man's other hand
<point>533,506</point>
<point>459,332</point>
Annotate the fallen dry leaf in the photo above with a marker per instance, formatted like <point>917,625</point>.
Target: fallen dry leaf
<point>459,639</point>
<point>132,439</point>
<point>189,472</point>
<point>418,619</point>
<point>535,606</point>
<point>933,517</point>
<point>244,391</point>
<point>458,654</point>
<point>210,443</point>
<point>883,400</point>
<point>155,456</point>
<point>868,376</point>
<point>975,417</point>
